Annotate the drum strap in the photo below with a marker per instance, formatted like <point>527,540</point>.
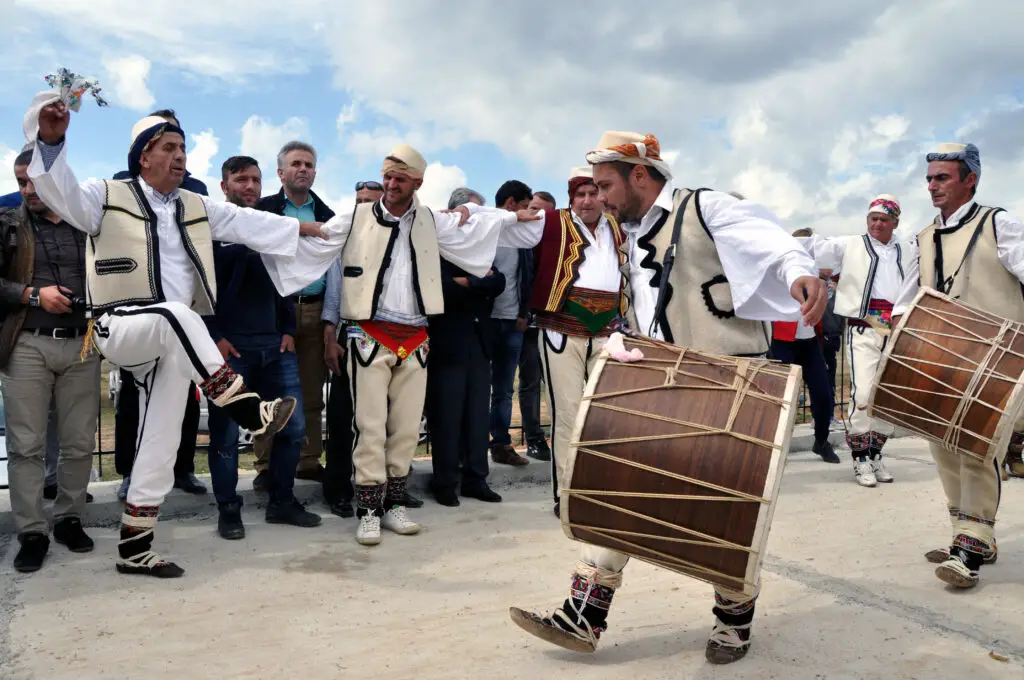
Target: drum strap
<point>669,260</point>
<point>947,283</point>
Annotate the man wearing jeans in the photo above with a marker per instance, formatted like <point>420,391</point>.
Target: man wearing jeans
<point>509,315</point>
<point>254,330</point>
<point>296,168</point>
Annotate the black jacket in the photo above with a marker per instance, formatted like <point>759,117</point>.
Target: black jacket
<point>467,314</point>
<point>525,281</point>
<point>275,203</point>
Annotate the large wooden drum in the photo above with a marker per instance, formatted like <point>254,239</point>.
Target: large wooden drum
<point>676,460</point>
<point>952,373</point>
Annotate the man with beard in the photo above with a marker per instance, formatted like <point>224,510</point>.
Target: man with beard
<point>871,273</point>
<point>149,277</point>
<point>972,253</point>
<point>391,253</point>
<point>254,330</point>
<point>735,267</point>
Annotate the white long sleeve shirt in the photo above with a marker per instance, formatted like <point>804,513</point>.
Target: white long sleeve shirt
<point>828,254</point>
<point>80,204</point>
<point>760,260</point>
<point>1010,250</point>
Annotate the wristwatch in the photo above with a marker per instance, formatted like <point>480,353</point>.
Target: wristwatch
<point>33,298</point>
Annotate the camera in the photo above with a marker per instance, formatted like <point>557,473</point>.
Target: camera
<point>78,304</point>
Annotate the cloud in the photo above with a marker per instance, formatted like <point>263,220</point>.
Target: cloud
<point>127,81</point>
<point>347,115</point>
<point>8,185</point>
<point>262,140</point>
<point>438,183</point>
<point>204,148</point>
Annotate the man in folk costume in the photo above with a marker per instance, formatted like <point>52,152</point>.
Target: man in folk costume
<point>577,299</point>
<point>391,253</point>
<point>735,268</point>
<point>150,276</point>
<point>871,272</point>
<point>972,253</point>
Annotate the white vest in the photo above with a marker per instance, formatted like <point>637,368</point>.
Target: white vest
<point>699,311</point>
<point>122,261</point>
<point>367,255</point>
<point>857,276</point>
<point>982,281</point>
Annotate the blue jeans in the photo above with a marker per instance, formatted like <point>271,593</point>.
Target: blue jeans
<point>504,361</point>
<point>272,374</point>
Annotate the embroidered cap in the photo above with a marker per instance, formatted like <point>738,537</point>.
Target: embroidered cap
<point>886,205</point>
<point>577,178</point>
<point>951,151</point>
<point>144,133</point>
<point>629,147</point>
<point>406,160</point>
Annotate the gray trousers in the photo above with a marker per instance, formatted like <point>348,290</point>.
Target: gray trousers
<point>42,370</point>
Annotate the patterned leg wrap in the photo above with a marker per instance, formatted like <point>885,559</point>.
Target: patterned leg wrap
<point>970,550</point>
<point>222,385</point>
<point>370,499</point>
<point>134,548</point>
<point>1014,459</point>
<point>395,491</point>
<point>730,638</point>
<point>860,445</point>
<point>877,443</point>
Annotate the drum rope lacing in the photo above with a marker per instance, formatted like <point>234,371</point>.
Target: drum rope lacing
<point>982,373</point>
<point>743,385</point>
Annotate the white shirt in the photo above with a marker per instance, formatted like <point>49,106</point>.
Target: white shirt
<point>828,254</point>
<point>1009,249</point>
<point>760,260</point>
<point>600,267</point>
<point>81,205</point>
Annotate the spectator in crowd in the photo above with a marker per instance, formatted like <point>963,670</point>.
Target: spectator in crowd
<point>52,457</point>
<point>254,330</point>
<point>833,328</point>
<point>368,191</point>
<point>794,342</point>
<point>126,414</point>
<point>530,371</point>
<point>511,316</point>
<point>459,378</point>
<point>296,168</point>
<point>42,264</point>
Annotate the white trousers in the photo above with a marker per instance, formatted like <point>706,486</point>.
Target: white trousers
<point>864,349</point>
<point>165,347</point>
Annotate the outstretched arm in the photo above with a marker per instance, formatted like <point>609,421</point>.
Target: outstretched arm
<point>310,257</point>
<point>471,245</point>
<point>78,204</point>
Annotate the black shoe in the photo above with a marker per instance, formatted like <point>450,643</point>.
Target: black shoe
<point>823,447</point>
<point>446,497</point>
<point>50,492</point>
<point>229,525</point>
<point>314,475</point>
<point>88,497</point>
<point>33,550</point>
<point>558,509</point>
<point>262,481</point>
<point>292,512</point>
<point>69,532</point>
<point>481,492</point>
<point>189,484</point>
<point>158,569</point>
<point>538,450</point>
<point>410,501</point>
<point>342,508</point>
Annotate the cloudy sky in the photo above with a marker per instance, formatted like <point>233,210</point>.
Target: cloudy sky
<point>810,107</point>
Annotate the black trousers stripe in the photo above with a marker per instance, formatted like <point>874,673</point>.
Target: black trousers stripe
<point>175,325</point>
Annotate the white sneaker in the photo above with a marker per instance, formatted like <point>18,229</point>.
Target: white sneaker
<point>398,521</point>
<point>881,474</point>
<point>864,473</point>
<point>368,531</point>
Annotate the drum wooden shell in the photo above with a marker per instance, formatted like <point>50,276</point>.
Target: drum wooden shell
<point>952,373</point>
<point>684,476</point>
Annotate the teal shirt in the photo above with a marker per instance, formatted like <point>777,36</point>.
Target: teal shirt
<point>304,213</point>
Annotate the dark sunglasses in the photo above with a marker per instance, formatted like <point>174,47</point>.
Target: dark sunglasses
<point>372,186</point>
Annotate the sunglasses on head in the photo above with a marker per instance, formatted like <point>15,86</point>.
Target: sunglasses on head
<point>372,186</point>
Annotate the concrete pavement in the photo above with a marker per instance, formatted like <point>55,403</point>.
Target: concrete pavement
<point>847,594</point>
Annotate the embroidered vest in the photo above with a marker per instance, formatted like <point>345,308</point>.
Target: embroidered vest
<point>366,257</point>
<point>977,277</point>
<point>860,264</point>
<point>698,310</point>
<point>122,261</point>
<point>557,259</point>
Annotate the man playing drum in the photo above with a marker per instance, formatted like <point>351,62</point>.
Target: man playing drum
<point>975,254</point>
<point>871,268</point>
<point>736,267</point>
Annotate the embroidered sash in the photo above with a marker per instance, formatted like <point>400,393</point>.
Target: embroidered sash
<point>586,312</point>
<point>879,310</point>
<point>402,340</point>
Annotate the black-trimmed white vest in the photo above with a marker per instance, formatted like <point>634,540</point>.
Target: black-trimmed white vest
<point>366,257</point>
<point>857,277</point>
<point>974,275</point>
<point>699,309</point>
<point>122,261</point>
